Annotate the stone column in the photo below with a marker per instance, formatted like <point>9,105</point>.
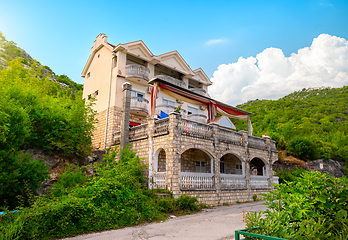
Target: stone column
<point>151,130</point>
<point>216,169</point>
<point>247,162</point>
<point>173,167</point>
<point>126,88</point>
<point>269,171</point>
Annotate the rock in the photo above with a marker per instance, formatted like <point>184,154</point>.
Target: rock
<point>51,160</point>
<point>329,166</point>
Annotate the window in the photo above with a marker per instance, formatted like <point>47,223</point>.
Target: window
<point>98,55</point>
<point>168,103</point>
<point>200,167</point>
<point>191,110</point>
<point>222,165</point>
<point>88,75</point>
<point>137,94</point>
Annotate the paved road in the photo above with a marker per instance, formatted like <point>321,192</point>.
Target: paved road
<point>218,223</point>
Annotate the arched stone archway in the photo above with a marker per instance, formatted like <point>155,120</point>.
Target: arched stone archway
<point>197,172</point>
<point>257,167</point>
<point>231,164</point>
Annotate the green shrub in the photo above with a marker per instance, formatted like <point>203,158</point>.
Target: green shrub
<point>314,206</point>
<point>188,203</point>
<point>20,177</point>
<point>167,205</point>
<point>255,197</point>
<point>286,175</point>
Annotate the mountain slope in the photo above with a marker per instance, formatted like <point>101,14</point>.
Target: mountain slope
<point>9,51</point>
<point>310,124</point>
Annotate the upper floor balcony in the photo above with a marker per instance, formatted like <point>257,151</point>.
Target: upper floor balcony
<point>137,72</point>
<point>197,118</point>
<point>168,109</point>
<point>139,106</point>
<point>199,91</point>
<point>172,80</point>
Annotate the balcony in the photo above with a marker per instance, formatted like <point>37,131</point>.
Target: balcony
<point>196,181</point>
<point>168,109</point>
<point>172,80</point>
<point>137,72</point>
<point>139,106</point>
<point>199,91</point>
<point>197,118</point>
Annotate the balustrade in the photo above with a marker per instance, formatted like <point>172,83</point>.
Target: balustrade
<point>258,181</point>
<point>137,71</point>
<point>168,109</point>
<point>139,103</point>
<point>196,181</point>
<point>229,136</point>
<point>138,132</point>
<point>196,129</point>
<point>161,126</point>
<point>172,80</point>
<point>256,142</point>
<point>230,181</point>
<point>159,180</point>
<point>197,118</point>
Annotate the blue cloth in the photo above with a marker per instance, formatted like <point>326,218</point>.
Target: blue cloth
<point>163,115</point>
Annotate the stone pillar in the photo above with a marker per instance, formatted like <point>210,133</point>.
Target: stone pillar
<point>269,170</point>
<point>247,162</point>
<point>126,88</point>
<point>173,167</point>
<point>151,130</point>
<point>216,169</point>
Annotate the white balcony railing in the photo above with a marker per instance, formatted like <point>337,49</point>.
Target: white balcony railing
<point>172,80</point>
<point>258,181</point>
<point>139,104</point>
<point>230,181</point>
<point>159,180</point>
<point>137,71</point>
<point>276,179</point>
<point>200,91</point>
<point>196,181</point>
<point>197,118</point>
<point>168,109</point>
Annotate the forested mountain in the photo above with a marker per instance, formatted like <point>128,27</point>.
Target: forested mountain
<point>310,124</point>
<point>9,51</point>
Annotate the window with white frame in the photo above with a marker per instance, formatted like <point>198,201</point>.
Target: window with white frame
<point>192,110</point>
<point>137,94</point>
<point>200,167</point>
<point>168,102</point>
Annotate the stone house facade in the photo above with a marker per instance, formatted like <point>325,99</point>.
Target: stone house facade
<point>187,152</point>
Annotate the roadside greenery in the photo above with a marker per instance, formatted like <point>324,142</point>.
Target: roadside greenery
<point>314,206</point>
<point>114,197</point>
<point>310,124</point>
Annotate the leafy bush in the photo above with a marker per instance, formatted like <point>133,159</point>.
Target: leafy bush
<point>36,112</point>
<point>20,177</point>
<point>312,207</point>
<point>286,175</point>
<point>188,203</point>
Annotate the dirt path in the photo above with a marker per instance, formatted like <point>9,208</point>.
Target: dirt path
<point>217,223</point>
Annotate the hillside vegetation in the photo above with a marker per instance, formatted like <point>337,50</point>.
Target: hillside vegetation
<point>309,124</point>
<point>36,111</point>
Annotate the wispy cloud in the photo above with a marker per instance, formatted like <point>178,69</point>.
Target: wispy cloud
<point>215,41</point>
<point>326,4</point>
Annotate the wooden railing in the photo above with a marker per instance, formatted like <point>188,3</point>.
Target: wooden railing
<point>229,136</point>
<point>136,70</point>
<point>197,118</point>
<point>256,142</point>
<point>195,129</point>
<point>231,181</point>
<point>139,103</point>
<point>258,181</point>
<point>196,181</point>
<point>161,126</point>
<point>172,80</point>
<point>138,132</point>
<point>159,180</point>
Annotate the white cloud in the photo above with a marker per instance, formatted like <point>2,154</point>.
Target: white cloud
<point>215,41</point>
<point>271,75</point>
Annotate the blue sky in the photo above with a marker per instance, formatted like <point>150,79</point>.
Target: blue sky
<point>60,34</point>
